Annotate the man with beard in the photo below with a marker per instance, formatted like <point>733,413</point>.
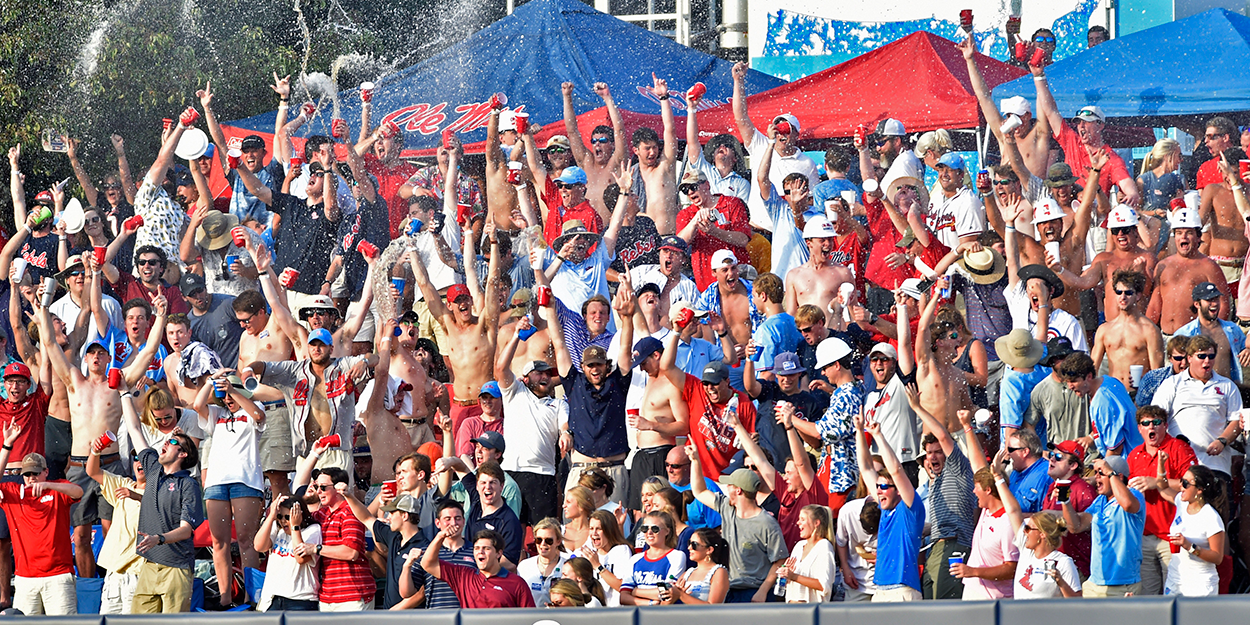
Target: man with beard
<point>719,160</point>
<point>710,223</point>
<point>150,264</point>
<point>1160,451</point>
<point>820,279</point>
<point>212,318</point>
<point>1110,408</point>
<point>667,275</point>
<point>657,164</point>
<point>607,146</point>
<point>1032,135</point>
<point>1176,276</point>
<point>1131,339</point>
<point>1127,254</point>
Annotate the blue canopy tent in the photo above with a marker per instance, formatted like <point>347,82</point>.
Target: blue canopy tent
<point>526,56</point>
<point>1172,74</point>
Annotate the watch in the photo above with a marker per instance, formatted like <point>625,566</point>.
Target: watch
<point>319,549</point>
<point>160,539</point>
<point>1194,549</point>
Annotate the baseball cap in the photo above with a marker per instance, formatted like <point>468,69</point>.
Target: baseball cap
<point>594,354</point>
<point>252,142</point>
<point>190,283</point>
<point>648,286</point>
<point>1202,292</point>
<point>951,160</point>
<point>404,503</point>
<point>456,291</point>
<point>909,236</point>
<point>745,479</point>
<point>787,363</point>
<point>911,288</point>
<point>791,119</point>
<point>572,175</point>
<point>537,365</point>
<point>491,440</point>
<point>692,176</point>
<point>34,463</point>
<point>17,368</point>
<point>675,243</point>
<point>645,347</point>
<point>891,128</point>
<point>885,349</point>
<point>818,227</point>
<point>558,141</point>
<point>723,258</point>
<point>830,351</point>
<point>1091,114</point>
<point>321,334</point>
<point>1071,447</point>
<point>1057,349</point>
<point>491,388</point>
<point>1015,105</point>
<point>715,372</point>
<point>1118,464</point>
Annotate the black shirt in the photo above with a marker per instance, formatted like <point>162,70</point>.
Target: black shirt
<point>638,244</point>
<point>218,328</point>
<point>807,406</point>
<point>396,549</point>
<point>41,254</point>
<point>503,521</point>
<point>370,223</point>
<point>304,241</point>
<point>597,417</point>
<point>168,500</point>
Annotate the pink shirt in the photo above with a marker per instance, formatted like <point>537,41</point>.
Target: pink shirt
<point>1243,288</point>
<point>993,544</point>
<point>471,428</point>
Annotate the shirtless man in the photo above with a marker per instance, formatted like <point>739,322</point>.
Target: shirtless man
<point>1176,276</point>
<point>411,395</point>
<point>1126,254</point>
<point>658,169</point>
<point>730,297</point>
<point>943,388</point>
<point>662,417</point>
<point>607,146</point>
<point>501,197</point>
<point>263,340</point>
<point>1227,336</point>
<point>1130,338</point>
<point>1032,137</point>
<point>1225,243</point>
<point>535,347</point>
<point>178,335</point>
<point>472,338</point>
<point>93,409</point>
<point>818,280</point>
<point>389,439</point>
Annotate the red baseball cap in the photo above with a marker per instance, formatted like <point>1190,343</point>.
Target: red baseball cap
<point>1071,447</point>
<point>455,291</point>
<point>17,368</point>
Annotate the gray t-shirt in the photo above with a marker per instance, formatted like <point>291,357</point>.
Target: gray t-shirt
<point>899,424</point>
<point>754,544</point>
<point>952,508</point>
<point>218,328</point>
<point>1066,414</point>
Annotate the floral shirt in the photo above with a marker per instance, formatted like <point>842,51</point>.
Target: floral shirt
<point>431,179</point>
<point>710,300</point>
<point>837,430</point>
<point>163,220</point>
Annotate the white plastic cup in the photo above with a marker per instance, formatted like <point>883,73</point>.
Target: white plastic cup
<point>871,186</point>
<point>1012,122</point>
<point>848,196</point>
<point>49,291</point>
<point>19,265</point>
<point>1193,199</point>
<point>1052,248</point>
<point>1135,372</point>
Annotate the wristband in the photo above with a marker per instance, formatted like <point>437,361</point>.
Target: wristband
<point>999,480</point>
<point>1010,228</point>
<point>1039,79</point>
<point>7,447</point>
<point>664,97</point>
<point>722,334</point>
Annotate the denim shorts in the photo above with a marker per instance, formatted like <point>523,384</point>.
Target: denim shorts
<point>233,490</point>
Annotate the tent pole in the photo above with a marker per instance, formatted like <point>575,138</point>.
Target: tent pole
<point>982,145</point>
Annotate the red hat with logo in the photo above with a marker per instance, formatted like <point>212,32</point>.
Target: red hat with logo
<point>17,368</point>
<point>1071,447</point>
<point>456,291</point>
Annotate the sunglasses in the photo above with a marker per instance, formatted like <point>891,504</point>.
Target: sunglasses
<point>1043,40</point>
<point>687,188</point>
<point>1126,292</point>
<point>30,474</point>
<point>544,541</point>
<point>649,529</point>
<point>668,465</point>
<point>556,150</point>
<point>1184,483</point>
<point>1057,456</point>
<point>1123,230</point>
<point>694,545</point>
<point>1180,358</point>
<point>320,487</point>
<point>1204,356</point>
<point>76,272</point>
<point>1150,422</point>
<point>148,261</point>
<point>1030,528</point>
<point>176,443</point>
<point>601,140</point>
<point>93,220</point>
<point>806,330</point>
<point>1003,183</point>
<point>1102,473</point>
<point>563,185</point>
<point>246,322</point>
<point>284,517</point>
<point>1012,450</point>
<point>1208,137</point>
<point>884,486</point>
<point>115,186</point>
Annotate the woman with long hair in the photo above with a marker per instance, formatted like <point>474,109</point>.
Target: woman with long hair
<point>91,236</point>
<point>811,569</point>
<point>674,503</point>
<point>1197,535</point>
<point>578,506</point>
<point>160,416</point>
<point>1042,571</point>
<point>291,537</point>
<point>708,581</point>
<point>540,570</point>
<point>581,571</point>
<point>608,553</point>
<point>1160,184</point>
<point>654,570</point>
<point>565,593</point>
<point>650,487</point>
<point>601,487</point>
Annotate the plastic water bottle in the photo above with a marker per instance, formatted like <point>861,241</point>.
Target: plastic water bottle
<point>779,588</point>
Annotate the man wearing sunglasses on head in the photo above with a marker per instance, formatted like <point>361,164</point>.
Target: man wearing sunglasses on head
<point>1144,468</point>
<point>1066,465</point>
<point>1203,406</point>
<point>1126,253</point>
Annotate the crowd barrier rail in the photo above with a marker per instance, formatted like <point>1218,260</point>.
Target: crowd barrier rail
<point>1226,609</point>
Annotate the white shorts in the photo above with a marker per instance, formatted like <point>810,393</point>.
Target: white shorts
<point>346,606</point>
<point>56,595</point>
<point>119,590</point>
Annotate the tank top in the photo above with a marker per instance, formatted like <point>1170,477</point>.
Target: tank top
<point>701,589</point>
<point>964,363</point>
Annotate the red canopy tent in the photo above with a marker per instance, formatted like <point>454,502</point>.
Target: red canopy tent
<point>920,80</point>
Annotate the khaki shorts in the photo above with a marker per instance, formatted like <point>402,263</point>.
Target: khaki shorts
<point>54,595</point>
<point>277,451</point>
<point>162,589</point>
<point>1091,590</point>
<point>896,595</point>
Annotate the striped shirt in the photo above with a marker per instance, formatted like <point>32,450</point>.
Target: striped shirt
<point>343,581</point>
<point>710,300</point>
<point>577,335</point>
<point>952,506</point>
<point>438,595</point>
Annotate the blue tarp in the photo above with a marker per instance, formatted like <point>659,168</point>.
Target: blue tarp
<point>527,55</point>
<point>1194,66</point>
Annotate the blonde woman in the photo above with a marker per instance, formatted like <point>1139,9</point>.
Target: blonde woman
<point>580,571</point>
<point>651,574</point>
<point>578,506</point>
<point>1158,180</point>
<point>565,593</point>
<point>540,570</point>
<point>650,487</point>
<point>810,571</point>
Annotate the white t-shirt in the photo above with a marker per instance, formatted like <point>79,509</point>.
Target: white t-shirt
<point>820,565</point>
<point>899,424</point>
<point>188,421</point>
<point>617,561</point>
<point>779,168</point>
<point>952,217</point>
<point>851,533</point>
<point>1187,574</point>
<point>67,311</point>
<point>284,576</point>
<point>533,432</point>
<point>539,584</point>
<point>1032,581</point>
<point>1062,323</point>
<point>235,455</point>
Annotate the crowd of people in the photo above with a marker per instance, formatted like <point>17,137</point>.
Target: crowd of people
<point>605,372</point>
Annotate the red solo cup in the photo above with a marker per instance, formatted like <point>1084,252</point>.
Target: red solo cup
<point>115,378</point>
<point>696,91</point>
<point>333,440</point>
<point>1243,167</point>
<point>965,19</point>
<point>1175,548</point>
<point>1039,57</point>
<point>389,129</point>
<point>783,127</point>
<point>498,100</point>
<point>1176,202</point>
<point>189,117</point>
<point>448,133</point>
<point>99,253</point>
<point>685,318</point>
<point>390,488</point>
<point>367,249</point>
<point>1020,51</point>
<point>366,92</point>
<point>543,295</point>
<point>104,440</point>
<point>297,160</point>
<point>522,122</point>
<point>338,128</point>
<point>308,109</point>
<point>288,278</point>
<point>861,136</point>
<point>239,235</point>
<point>514,173</point>
<point>134,223</point>
<point>233,158</point>
<point>167,123</point>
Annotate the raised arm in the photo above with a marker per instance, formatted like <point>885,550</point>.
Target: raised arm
<point>138,366</point>
<point>698,482</point>
<point>931,423</point>
<point>275,295</point>
<point>265,194</point>
<point>123,168</point>
<point>51,350</point>
<point>17,184</point>
<point>668,360</point>
<point>746,129</point>
<point>84,179</point>
<point>976,454</point>
<point>576,143</point>
<point>660,89</point>
<point>798,454</point>
<point>1046,107</point>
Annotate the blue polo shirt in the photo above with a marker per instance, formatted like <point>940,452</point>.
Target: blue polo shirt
<point>779,333</point>
<point>504,521</point>
<point>597,417</point>
<point>698,515</point>
<point>693,357</point>
<point>1031,485</point>
<point>1014,393</point>
<point>898,542</point>
<point>1116,557</point>
<point>1112,411</point>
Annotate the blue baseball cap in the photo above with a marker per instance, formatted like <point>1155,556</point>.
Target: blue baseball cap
<point>787,363</point>
<point>572,175</point>
<point>491,388</point>
<point>323,335</point>
<point>645,347</point>
<point>952,160</point>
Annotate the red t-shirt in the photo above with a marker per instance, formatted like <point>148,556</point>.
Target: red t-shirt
<point>1077,158</point>
<point>343,581</point>
<point>913,324</point>
<point>1077,546</point>
<point>127,288</point>
<point>390,179</point>
<point>711,435</point>
<point>30,414</point>
<point>792,504</point>
<point>849,253</point>
<point>704,245</point>
<point>474,590</point>
<point>557,215</point>
<point>40,530</point>
<point>1209,173</point>
<point>1160,510</point>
